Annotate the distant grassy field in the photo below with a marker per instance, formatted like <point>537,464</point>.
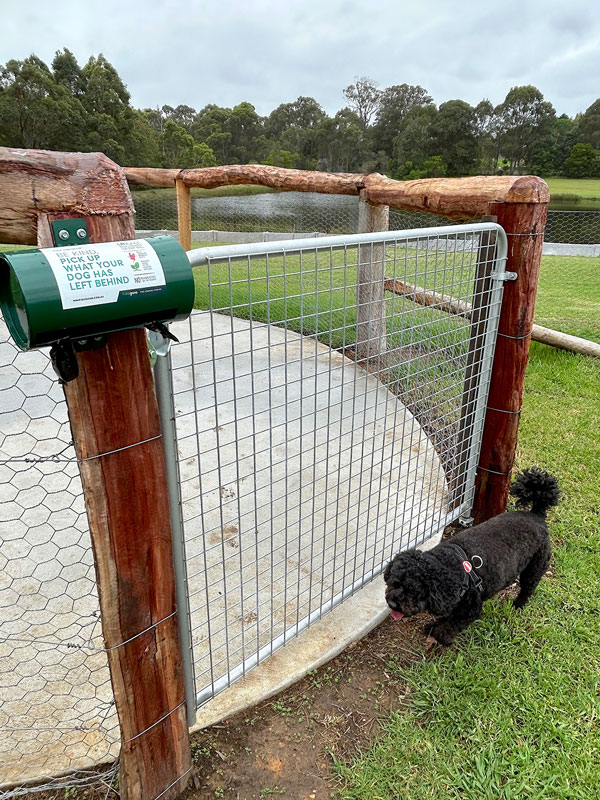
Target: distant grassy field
<point>569,295</point>
<point>585,188</point>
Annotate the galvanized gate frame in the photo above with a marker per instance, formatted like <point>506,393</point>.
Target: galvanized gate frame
<point>164,390</point>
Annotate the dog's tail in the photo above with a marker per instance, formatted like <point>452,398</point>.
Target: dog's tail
<point>535,489</point>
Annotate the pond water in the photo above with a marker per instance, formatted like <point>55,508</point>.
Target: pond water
<point>307,212</point>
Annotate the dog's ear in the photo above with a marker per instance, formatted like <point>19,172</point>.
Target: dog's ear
<point>387,572</point>
<point>437,602</point>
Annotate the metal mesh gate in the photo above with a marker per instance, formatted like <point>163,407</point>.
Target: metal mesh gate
<point>329,400</point>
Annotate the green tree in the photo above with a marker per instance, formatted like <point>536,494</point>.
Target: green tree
<point>143,143</point>
<point>245,127</point>
<point>343,146</point>
<point>589,125</point>
<point>394,103</point>
<point>487,133</point>
<point>525,120</point>
<point>583,162</point>
<point>181,151</point>
<point>211,127</point>
<point>415,141</point>
<point>453,132</point>
<point>295,127</point>
<point>35,112</point>
<point>364,98</point>
<point>68,73</point>
<point>183,115</point>
<point>282,158</point>
<point>112,125</point>
<point>432,167</point>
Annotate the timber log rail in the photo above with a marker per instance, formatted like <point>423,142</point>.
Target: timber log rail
<point>456,198</point>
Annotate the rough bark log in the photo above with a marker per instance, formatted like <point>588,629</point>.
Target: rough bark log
<point>36,181</point>
<point>184,214</point>
<point>151,176</point>
<point>524,224</point>
<point>565,341</point>
<point>444,302</point>
<point>287,180</point>
<point>457,198</point>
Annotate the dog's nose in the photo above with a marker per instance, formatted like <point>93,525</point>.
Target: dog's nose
<point>392,604</point>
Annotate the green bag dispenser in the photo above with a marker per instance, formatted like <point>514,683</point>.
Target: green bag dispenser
<point>89,290</point>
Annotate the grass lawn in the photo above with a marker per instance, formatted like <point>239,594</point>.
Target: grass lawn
<point>588,188</point>
<point>512,710</point>
<point>568,297</point>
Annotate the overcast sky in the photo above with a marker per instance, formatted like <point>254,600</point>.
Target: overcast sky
<point>271,51</point>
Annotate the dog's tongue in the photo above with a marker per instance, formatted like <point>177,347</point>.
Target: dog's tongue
<point>396,614</point>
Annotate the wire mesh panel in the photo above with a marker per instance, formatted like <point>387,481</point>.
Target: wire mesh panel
<point>573,227</point>
<point>56,705</point>
<point>277,212</point>
<point>329,403</point>
<point>307,212</point>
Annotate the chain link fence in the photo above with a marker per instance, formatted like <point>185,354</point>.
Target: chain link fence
<point>573,227</point>
<point>57,715</point>
<point>296,213</point>
<point>307,213</point>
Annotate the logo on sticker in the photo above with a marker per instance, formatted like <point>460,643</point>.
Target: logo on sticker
<point>467,566</point>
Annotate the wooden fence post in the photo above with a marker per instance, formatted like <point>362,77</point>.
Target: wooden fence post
<point>370,292</point>
<point>184,213</point>
<point>116,431</point>
<point>524,225</point>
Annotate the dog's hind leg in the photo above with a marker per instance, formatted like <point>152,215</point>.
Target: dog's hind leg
<point>533,574</point>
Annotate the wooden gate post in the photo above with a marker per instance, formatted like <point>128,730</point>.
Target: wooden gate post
<point>184,213</point>
<point>116,431</point>
<point>370,291</point>
<point>524,224</point>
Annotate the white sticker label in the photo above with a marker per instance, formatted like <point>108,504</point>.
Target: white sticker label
<point>95,274</point>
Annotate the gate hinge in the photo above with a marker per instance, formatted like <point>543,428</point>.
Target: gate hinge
<point>504,276</point>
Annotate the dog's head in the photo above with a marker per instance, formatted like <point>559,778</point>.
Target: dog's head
<point>412,587</point>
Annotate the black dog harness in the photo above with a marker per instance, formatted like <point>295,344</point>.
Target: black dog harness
<point>470,577</point>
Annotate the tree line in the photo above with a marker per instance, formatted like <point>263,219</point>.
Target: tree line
<point>397,130</point>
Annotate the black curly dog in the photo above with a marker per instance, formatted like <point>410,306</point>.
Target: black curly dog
<point>452,580</point>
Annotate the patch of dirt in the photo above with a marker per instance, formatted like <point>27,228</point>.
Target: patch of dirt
<point>286,745</point>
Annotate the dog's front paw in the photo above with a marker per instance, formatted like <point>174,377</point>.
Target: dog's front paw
<point>438,634</point>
